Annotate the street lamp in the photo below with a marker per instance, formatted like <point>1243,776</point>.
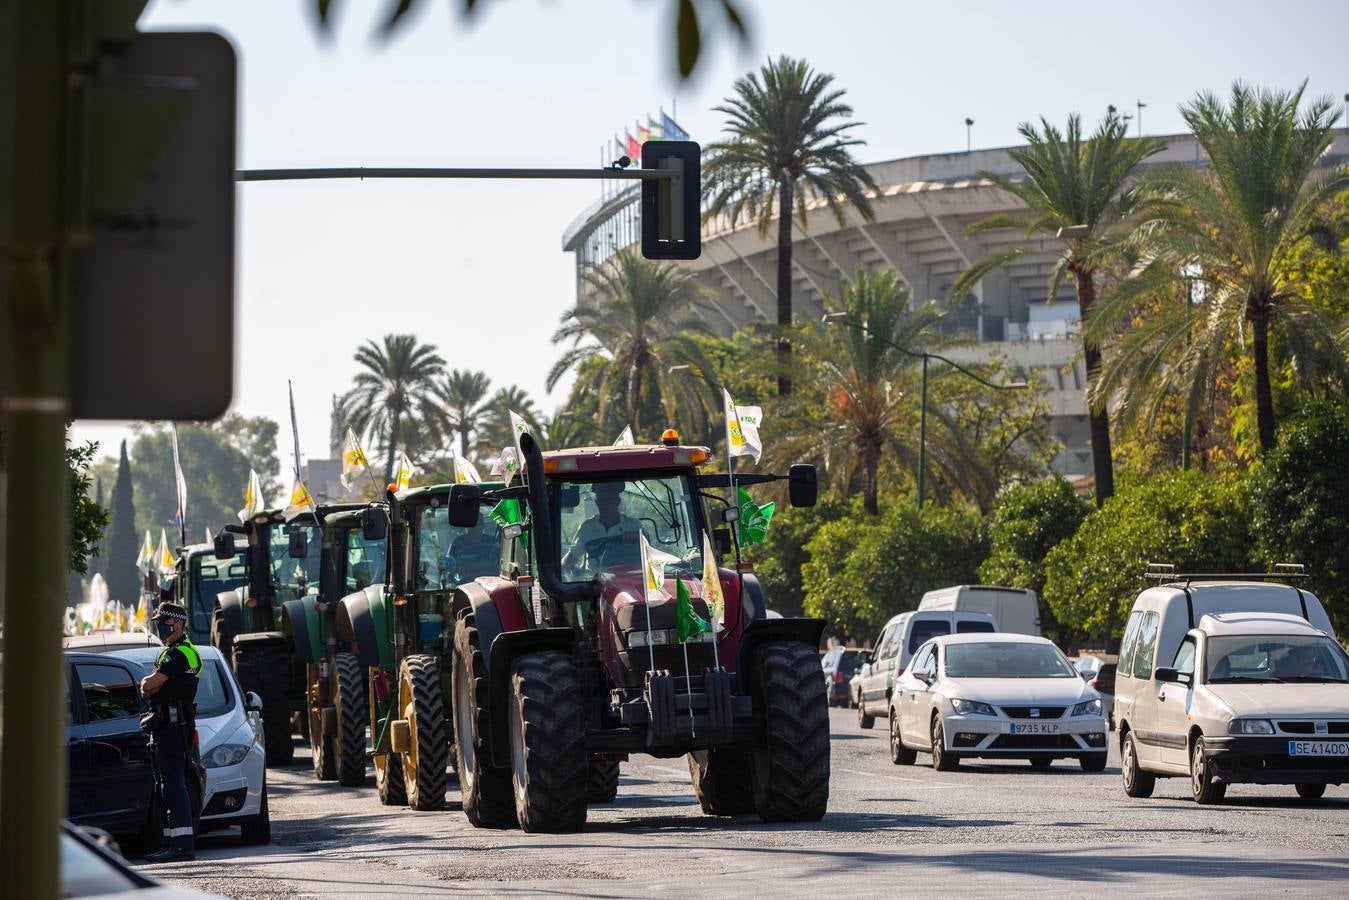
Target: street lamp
<point>1072,232</point>
<point>842,318</point>
<point>969,124</point>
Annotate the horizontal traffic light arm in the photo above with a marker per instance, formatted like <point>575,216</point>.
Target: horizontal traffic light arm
<point>362,173</point>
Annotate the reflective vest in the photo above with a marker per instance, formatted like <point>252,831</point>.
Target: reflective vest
<point>189,653</point>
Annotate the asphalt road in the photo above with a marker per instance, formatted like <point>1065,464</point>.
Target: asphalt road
<point>984,829</point>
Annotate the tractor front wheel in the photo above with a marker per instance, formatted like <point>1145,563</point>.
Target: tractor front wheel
<point>791,768</point>
<point>351,718</point>
<point>320,744</point>
<point>388,767</point>
<point>484,786</point>
<point>723,781</point>
<point>603,785</point>
<point>428,754</point>
<point>547,725</point>
<point>263,666</point>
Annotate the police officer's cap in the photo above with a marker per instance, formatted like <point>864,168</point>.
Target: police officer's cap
<point>170,611</point>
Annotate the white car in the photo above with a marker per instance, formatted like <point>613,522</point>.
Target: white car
<point>1249,697</point>
<point>995,696</point>
<point>232,746</point>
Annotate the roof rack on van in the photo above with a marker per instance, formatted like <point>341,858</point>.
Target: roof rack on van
<point>1167,572</point>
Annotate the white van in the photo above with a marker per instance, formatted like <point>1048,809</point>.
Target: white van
<point>1014,609</point>
<point>895,646</point>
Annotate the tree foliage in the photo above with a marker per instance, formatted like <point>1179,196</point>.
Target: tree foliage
<point>393,401</point>
<point>87,518</point>
<point>124,538</point>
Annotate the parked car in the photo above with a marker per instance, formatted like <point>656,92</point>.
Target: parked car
<point>92,867</point>
<point>1100,674</point>
<point>1253,697</point>
<point>105,641</point>
<point>895,646</point>
<point>839,665</point>
<point>231,743</point>
<point>995,696</point>
<point>1013,609</point>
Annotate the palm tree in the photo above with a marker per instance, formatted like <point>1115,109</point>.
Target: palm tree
<point>392,392</point>
<point>863,391</point>
<point>462,394</point>
<point>1075,191</point>
<point>495,431</point>
<point>786,143</point>
<point>626,338</point>
<point>1229,229</point>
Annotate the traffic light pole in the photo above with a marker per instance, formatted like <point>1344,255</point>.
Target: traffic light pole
<point>363,173</point>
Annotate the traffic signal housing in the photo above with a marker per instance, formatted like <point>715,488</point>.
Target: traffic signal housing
<point>671,226</point>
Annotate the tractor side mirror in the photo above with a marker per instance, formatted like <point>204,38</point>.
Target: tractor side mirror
<point>463,507</point>
<point>224,545</point>
<point>802,485</point>
<point>374,525</point>
<point>298,548</point>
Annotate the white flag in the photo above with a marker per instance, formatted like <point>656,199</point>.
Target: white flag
<point>742,429</point>
<point>165,555</point>
<point>518,427</point>
<point>653,571</point>
<point>253,502</point>
<point>506,465</point>
<point>299,500</point>
<point>353,460</point>
<point>404,472</point>
<point>180,483</point>
<point>712,594</point>
<point>146,558</point>
<point>465,472</point>
<point>625,439</point>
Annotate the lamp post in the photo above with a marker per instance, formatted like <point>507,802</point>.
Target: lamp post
<point>969,124</point>
<point>843,318</point>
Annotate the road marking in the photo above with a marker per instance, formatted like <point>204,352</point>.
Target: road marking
<point>923,781</point>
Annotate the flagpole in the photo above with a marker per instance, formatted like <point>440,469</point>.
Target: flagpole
<point>688,684</point>
<point>646,601</point>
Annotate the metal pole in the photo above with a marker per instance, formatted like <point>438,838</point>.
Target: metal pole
<point>43,176</point>
<point>1189,414</point>
<point>361,172</point>
<point>922,441</point>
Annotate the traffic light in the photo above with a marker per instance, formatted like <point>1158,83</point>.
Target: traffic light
<point>671,226</point>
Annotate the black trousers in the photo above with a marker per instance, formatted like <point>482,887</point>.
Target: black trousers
<point>172,758</point>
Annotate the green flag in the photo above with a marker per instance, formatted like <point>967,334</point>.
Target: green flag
<point>687,621</point>
<point>754,519</point>
<point>506,512</point>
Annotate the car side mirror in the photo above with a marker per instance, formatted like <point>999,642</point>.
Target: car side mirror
<point>374,525</point>
<point>298,548</point>
<point>224,545</point>
<point>802,485</point>
<point>463,506</point>
<point>252,702</point>
<point>865,657</point>
<point>1166,675</point>
<point>924,677</point>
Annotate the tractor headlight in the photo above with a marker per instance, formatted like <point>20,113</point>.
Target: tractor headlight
<point>972,708</point>
<point>1088,708</point>
<point>225,755</point>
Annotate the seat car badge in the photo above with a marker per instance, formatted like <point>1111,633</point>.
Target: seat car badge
<point>1035,714</point>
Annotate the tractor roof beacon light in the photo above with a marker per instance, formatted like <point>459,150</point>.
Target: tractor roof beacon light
<point>671,211</point>
<point>670,438</point>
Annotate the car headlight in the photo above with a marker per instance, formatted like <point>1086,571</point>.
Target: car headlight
<point>225,755</point>
<point>1088,708</point>
<point>1251,726</point>
<point>972,708</point>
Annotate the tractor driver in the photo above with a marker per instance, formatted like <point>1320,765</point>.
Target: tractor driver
<point>474,552</point>
<point>604,530</point>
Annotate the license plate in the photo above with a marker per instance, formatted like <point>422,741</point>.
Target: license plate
<point>1034,728</point>
<point>1318,748</point>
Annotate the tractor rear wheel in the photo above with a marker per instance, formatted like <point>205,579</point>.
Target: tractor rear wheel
<point>547,724</point>
<point>603,784</point>
<point>428,753</point>
<point>263,666</point>
<point>351,718</point>
<point>723,781</point>
<point>791,768</point>
<point>484,787</point>
<point>320,744</point>
<point>388,767</point>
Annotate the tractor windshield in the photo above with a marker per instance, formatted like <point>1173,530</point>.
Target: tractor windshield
<point>601,520</point>
<point>448,556</point>
<point>364,564</point>
<point>211,576</point>
<point>294,578</point>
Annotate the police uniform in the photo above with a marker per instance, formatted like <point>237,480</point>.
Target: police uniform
<point>172,738</point>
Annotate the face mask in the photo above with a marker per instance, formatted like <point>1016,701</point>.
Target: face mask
<point>165,629</point>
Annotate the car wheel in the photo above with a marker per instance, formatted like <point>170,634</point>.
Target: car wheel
<point>864,720</point>
<point>899,754</point>
<point>943,760</point>
<point>258,829</point>
<point>1092,762</point>
<point>1137,783</point>
<point>1311,791</point>
<point>1202,785</point>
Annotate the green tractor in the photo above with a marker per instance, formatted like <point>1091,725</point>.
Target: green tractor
<point>402,630</point>
<point>199,577</point>
<point>351,558</point>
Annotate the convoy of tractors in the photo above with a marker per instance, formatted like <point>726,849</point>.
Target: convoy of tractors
<point>508,633</point>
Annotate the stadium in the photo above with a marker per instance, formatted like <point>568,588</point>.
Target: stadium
<point>922,209</point>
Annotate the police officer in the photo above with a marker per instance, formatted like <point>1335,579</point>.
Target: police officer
<point>172,692</point>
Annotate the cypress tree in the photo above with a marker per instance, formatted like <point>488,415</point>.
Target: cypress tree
<point>119,565</point>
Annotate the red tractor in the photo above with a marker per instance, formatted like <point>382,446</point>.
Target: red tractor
<point>561,668</point>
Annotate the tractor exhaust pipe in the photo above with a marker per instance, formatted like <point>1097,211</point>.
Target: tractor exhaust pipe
<point>546,546</point>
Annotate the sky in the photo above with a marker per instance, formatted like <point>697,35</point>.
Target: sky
<point>477,269</point>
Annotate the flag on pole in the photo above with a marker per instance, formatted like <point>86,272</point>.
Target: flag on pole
<point>643,133</point>
<point>404,472</point>
<point>687,621</point>
<point>300,501</point>
<point>294,428</point>
<point>653,572</point>
<point>622,148</point>
<point>634,149</point>
<point>625,438</point>
<point>180,483</point>
<point>353,460</point>
<point>146,559</point>
<point>712,594</point>
<point>253,502</point>
<point>518,427</point>
<point>753,522</point>
<point>742,429</point>
<point>670,129</point>
<point>465,472</point>
<point>654,129</point>
<point>165,555</point>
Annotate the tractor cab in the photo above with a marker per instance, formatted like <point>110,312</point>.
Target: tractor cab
<point>200,576</point>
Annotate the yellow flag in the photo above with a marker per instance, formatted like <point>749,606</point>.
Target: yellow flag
<point>147,554</point>
<point>300,501</point>
<point>403,474</point>
<point>353,459</point>
<point>712,595</point>
<point>253,503</point>
<point>465,472</point>
<point>164,554</point>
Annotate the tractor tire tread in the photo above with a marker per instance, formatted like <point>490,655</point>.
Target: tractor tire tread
<point>426,791</point>
<point>264,668</point>
<point>488,799</point>
<point>352,716</point>
<point>792,767</point>
<point>548,691</point>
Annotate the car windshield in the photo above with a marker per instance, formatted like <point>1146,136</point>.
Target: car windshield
<point>847,663</point>
<point>1275,658</point>
<point>214,697</point>
<point>212,576</point>
<point>1006,659</point>
<point>601,520</point>
<point>448,556</point>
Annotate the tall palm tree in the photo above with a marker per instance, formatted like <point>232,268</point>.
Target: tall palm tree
<point>462,394</point>
<point>786,143</point>
<point>392,391</point>
<point>864,394</point>
<point>1072,182</point>
<point>1229,228</point>
<point>638,325</point>
<point>495,431</point>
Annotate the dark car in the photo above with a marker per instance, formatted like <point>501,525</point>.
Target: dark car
<point>110,778</point>
<point>839,664</point>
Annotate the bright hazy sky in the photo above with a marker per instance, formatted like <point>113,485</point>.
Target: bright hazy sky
<point>477,268</point>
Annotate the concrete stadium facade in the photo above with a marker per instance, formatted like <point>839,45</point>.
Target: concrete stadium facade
<point>923,207</point>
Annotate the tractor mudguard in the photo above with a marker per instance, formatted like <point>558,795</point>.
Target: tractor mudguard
<point>363,623</point>
<point>300,621</point>
<point>767,631</point>
<point>505,649</point>
<point>259,637</point>
<point>231,607</point>
<point>752,609</point>
<point>495,604</point>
